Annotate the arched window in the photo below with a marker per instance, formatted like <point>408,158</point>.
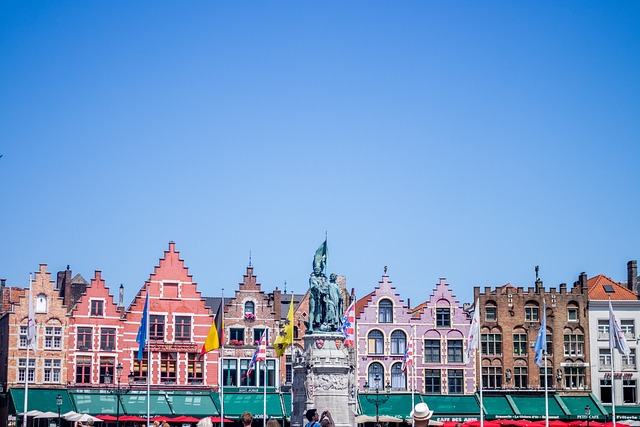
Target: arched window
<point>398,378</point>
<point>375,342</point>
<point>249,307</point>
<point>398,342</point>
<point>41,303</point>
<point>385,311</point>
<point>376,376</point>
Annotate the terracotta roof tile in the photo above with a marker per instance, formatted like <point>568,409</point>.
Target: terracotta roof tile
<point>417,310</point>
<point>362,303</point>
<point>597,292</point>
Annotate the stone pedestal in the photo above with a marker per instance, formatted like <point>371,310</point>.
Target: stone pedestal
<point>324,379</point>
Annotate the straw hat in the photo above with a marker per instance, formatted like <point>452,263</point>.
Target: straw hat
<point>421,412</point>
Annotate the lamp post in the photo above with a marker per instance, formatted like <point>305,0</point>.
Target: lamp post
<point>587,412</point>
<point>377,399</point>
<point>118,389</point>
<point>59,403</point>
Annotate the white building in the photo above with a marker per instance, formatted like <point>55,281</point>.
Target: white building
<point>626,376</point>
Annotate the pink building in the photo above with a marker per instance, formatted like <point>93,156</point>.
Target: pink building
<point>385,324</point>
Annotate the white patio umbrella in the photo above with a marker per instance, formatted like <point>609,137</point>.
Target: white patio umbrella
<point>47,414</point>
<point>31,413</point>
<point>69,414</point>
<point>84,418</point>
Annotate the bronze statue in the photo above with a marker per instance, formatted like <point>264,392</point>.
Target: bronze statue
<point>326,302</point>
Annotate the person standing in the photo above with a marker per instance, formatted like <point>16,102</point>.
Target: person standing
<point>312,416</point>
<point>421,415</point>
<point>247,418</point>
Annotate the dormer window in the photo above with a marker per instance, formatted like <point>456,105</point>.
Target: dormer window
<point>41,303</point>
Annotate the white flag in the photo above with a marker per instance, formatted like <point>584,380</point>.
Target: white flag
<point>31,323</point>
<point>616,336</point>
<point>474,332</point>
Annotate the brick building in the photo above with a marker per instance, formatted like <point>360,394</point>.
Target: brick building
<point>179,322</point>
<point>510,320</point>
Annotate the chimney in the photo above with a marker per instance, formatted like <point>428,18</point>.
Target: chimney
<point>277,303</point>
<point>582,281</point>
<point>632,276</point>
<point>3,285</point>
<point>539,286</point>
<point>121,298</point>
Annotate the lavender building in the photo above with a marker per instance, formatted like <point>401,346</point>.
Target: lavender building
<point>385,324</point>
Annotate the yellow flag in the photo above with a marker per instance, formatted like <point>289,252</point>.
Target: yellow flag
<point>285,336</point>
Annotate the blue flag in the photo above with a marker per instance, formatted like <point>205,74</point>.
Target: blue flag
<point>540,346</point>
<point>142,330</point>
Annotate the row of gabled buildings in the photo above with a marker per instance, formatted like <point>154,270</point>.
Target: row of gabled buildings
<point>84,335</point>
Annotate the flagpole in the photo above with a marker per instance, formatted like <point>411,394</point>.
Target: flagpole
<point>413,376</point>
<point>613,383</point>
<point>26,374</point>
<point>479,354</point>
<point>148,359</point>
<point>613,391</point>
<point>546,386</point>
<point>221,362</point>
<point>264,387</point>
<point>292,370</point>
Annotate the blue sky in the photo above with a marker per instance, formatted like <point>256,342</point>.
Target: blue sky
<point>466,140</point>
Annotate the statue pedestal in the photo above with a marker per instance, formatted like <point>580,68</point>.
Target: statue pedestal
<point>324,379</point>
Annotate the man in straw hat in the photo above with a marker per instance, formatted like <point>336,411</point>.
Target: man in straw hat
<point>421,415</point>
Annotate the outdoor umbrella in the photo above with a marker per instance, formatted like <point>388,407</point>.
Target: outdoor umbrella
<point>83,418</point>
<point>215,419</point>
<point>553,423</point>
<point>133,418</point>
<point>476,423</point>
<point>383,419</point>
<point>31,413</point>
<point>107,417</point>
<point>185,419</point>
<point>47,414</point>
<point>69,414</point>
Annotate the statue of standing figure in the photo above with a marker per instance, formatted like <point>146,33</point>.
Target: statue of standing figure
<point>326,302</point>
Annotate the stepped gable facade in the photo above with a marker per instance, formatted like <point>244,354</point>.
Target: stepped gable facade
<point>383,329</point>
<point>48,369</point>
<point>96,333</point>
<point>441,326</point>
<point>510,319</point>
<point>179,322</point>
<point>247,314</point>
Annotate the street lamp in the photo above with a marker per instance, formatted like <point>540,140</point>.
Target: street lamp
<point>377,399</point>
<point>118,390</point>
<point>587,412</point>
<point>59,403</point>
